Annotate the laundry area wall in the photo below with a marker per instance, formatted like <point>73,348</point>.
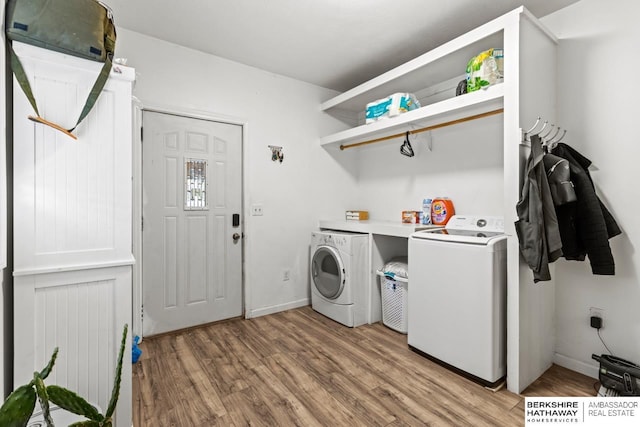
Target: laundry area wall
<point>464,163</point>
<point>597,69</point>
<point>280,111</point>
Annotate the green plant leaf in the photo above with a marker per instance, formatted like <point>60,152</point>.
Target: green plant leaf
<point>17,409</point>
<point>115,393</point>
<point>47,370</point>
<point>70,401</point>
<point>43,397</point>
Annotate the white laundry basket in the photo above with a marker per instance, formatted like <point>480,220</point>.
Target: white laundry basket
<point>395,296</point>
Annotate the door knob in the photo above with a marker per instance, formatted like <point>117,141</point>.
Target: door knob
<point>236,237</point>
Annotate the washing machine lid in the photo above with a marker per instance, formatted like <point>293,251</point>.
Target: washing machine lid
<point>474,229</point>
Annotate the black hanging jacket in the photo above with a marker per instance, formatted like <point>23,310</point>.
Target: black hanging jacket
<point>586,225</point>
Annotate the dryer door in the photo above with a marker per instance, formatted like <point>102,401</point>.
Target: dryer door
<point>327,272</point>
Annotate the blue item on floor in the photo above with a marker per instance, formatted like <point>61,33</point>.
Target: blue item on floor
<point>135,351</point>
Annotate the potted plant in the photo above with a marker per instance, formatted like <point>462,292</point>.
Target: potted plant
<point>18,407</point>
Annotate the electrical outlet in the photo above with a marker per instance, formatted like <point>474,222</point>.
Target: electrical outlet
<point>286,275</point>
<point>596,312</point>
<point>256,210</point>
<point>596,317</point>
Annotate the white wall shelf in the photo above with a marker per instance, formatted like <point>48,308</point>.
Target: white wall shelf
<point>450,109</point>
<point>385,228</point>
<point>440,66</point>
<point>437,65</point>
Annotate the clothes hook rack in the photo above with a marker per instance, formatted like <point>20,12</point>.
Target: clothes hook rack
<point>555,134</point>
<point>548,132</point>
<point>549,142</point>
<point>534,126</point>
<point>425,129</point>
<point>276,153</point>
<point>544,126</point>
<point>564,132</point>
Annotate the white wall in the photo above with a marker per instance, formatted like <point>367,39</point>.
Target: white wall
<point>598,104</point>
<point>281,111</point>
<point>464,164</point>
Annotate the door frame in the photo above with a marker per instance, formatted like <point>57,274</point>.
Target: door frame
<point>139,108</point>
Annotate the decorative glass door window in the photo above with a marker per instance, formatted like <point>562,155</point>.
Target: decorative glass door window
<point>195,192</point>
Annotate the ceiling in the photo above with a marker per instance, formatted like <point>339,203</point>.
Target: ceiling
<point>335,44</point>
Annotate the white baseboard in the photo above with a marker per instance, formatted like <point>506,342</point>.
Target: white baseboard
<point>263,311</point>
<point>576,365</point>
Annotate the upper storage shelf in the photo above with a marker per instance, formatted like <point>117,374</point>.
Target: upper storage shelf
<point>436,66</point>
<point>440,68</point>
<point>451,109</point>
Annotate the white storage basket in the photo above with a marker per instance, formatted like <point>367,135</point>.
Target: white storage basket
<point>394,301</point>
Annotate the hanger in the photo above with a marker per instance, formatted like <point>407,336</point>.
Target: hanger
<point>406,149</point>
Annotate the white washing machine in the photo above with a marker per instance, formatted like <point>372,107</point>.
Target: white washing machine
<point>457,302</point>
<point>339,272</point>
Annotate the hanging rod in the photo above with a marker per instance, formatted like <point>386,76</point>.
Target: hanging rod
<point>428,128</point>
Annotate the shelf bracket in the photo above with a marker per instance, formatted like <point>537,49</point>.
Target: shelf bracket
<point>429,140</point>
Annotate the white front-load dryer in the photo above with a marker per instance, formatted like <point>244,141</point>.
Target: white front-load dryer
<point>339,275</point>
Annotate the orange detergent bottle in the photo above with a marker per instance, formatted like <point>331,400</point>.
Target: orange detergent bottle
<point>441,210</point>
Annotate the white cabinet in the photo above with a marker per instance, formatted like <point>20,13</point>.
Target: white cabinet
<point>528,91</point>
<point>72,227</point>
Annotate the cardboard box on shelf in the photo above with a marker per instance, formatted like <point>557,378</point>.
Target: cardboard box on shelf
<point>411,217</point>
<point>357,215</point>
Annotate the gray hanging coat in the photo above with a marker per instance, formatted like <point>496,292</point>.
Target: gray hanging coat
<point>537,225</point>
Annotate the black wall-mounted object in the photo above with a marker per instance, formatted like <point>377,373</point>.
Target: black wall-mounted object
<point>618,374</point>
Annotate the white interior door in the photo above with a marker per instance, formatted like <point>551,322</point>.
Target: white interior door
<point>191,238</point>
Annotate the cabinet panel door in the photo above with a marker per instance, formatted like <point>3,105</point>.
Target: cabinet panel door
<point>82,313</point>
<point>72,198</point>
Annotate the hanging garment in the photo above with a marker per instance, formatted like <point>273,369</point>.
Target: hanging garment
<point>537,225</point>
<point>559,177</point>
<point>586,225</point>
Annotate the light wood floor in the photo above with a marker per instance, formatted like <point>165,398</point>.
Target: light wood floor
<point>298,368</point>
